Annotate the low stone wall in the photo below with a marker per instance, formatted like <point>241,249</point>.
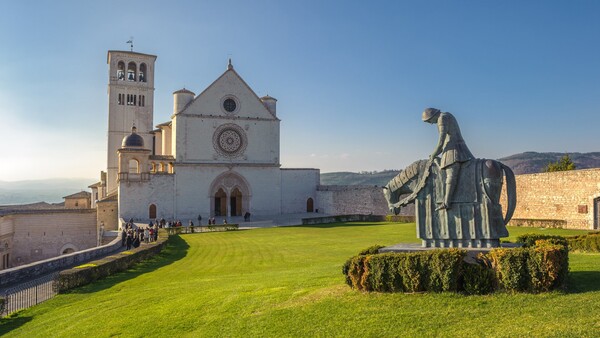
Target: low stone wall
<point>343,218</point>
<point>355,199</point>
<point>106,266</point>
<point>33,270</point>
<point>538,223</point>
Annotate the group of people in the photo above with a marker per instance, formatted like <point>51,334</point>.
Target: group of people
<point>133,236</point>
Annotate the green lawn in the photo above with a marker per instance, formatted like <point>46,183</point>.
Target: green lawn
<point>287,282</point>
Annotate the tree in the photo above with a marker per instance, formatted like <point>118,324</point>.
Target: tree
<point>565,163</point>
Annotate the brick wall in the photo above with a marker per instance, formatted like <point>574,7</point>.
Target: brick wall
<point>566,196</point>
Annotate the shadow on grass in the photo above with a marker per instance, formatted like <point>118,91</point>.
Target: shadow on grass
<point>175,250</point>
<point>12,322</point>
<point>583,281</point>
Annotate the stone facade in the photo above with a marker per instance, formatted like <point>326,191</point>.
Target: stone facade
<point>107,213</point>
<point>80,200</point>
<point>354,199</point>
<point>33,235</point>
<point>219,155</point>
<point>568,199</point>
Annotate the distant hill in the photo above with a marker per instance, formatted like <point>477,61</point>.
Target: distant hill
<point>531,162</point>
<point>524,163</point>
<point>49,190</point>
<point>379,178</point>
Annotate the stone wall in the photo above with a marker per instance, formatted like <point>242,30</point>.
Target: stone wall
<point>107,214</point>
<point>42,234</point>
<point>564,198</point>
<point>354,199</point>
<point>30,271</point>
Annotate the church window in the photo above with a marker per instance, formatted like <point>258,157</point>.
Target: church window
<point>142,75</point>
<point>134,166</point>
<point>134,99</point>
<point>131,70</point>
<point>229,105</point>
<point>120,99</point>
<point>142,101</point>
<point>121,70</point>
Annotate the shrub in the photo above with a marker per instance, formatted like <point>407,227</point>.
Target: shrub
<point>542,267</point>
<point>477,279</point>
<point>539,268</point>
<point>1,305</point>
<point>372,250</point>
<point>510,266</point>
<point>528,240</point>
<point>548,266</point>
<point>589,242</point>
<point>434,270</point>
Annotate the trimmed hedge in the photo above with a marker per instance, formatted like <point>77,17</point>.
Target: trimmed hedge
<point>434,270</point>
<point>87,273</point>
<point>540,268</point>
<point>588,243</point>
<point>528,240</point>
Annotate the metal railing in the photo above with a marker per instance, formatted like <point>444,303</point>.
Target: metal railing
<point>29,293</point>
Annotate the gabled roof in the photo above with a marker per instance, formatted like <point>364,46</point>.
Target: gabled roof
<point>229,69</point>
<point>81,194</point>
<point>95,185</point>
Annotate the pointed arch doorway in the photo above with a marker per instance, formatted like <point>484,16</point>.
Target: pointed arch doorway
<point>229,195</point>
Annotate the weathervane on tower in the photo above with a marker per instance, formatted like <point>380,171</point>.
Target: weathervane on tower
<point>130,42</point>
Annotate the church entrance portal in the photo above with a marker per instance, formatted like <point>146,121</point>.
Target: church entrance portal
<point>235,202</point>
<point>230,195</point>
<point>220,203</point>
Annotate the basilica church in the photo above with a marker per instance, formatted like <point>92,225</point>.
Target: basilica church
<point>218,155</point>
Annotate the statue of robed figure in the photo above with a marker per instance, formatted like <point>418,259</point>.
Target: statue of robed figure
<point>456,196</point>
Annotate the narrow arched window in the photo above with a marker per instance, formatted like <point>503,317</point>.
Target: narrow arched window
<point>134,166</point>
<point>142,74</point>
<point>131,71</point>
<point>121,70</point>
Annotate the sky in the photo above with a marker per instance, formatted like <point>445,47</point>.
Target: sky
<point>351,77</point>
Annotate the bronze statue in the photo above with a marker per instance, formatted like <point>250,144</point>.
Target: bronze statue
<point>452,148</point>
<point>457,197</point>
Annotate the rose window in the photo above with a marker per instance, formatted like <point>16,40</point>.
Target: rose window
<point>229,140</point>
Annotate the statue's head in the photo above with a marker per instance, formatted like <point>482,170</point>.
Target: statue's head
<point>430,115</point>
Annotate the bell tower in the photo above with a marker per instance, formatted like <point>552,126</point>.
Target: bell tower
<point>130,102</point>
